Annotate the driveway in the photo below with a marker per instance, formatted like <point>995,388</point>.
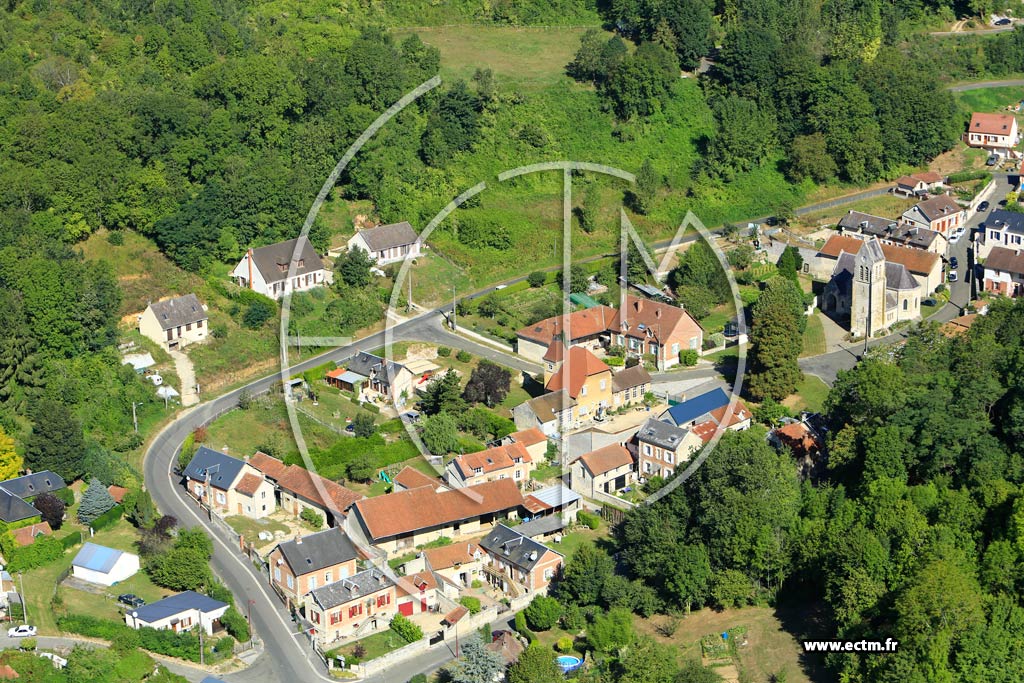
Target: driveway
<point>187,377</point>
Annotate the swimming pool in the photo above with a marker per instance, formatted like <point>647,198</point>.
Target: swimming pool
<point>568,663</point>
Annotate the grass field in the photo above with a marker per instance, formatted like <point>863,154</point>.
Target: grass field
<point>810,395</point>
<point>887,206</point>
<point>376,645</point>
<point>990,99</point>
<point>527,58</point>
<point>814,337</point>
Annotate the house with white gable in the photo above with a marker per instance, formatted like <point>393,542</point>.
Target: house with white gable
<point>268,270</point>
<point>387,243</point>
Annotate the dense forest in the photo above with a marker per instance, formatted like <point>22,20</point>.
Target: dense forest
<point>914,532</point>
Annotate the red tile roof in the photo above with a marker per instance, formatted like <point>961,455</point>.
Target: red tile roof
<point>407,511</point>
<point>663,320</point>
<point>249,484</point>
<point>838,244</point>
<point>534,505</point>
<point>908,181</point>
<point>555,352</point>
<point>26,535</point>
<point>529,437</point>
<point>270,466</point>
<point>929,177</point>
<point>491,460</point>
<point>991,124</point>
<point>606,459</point>
<point>455,615</point>
<point>414,583</point>
<point>915,260</point>
<point>706,430</point>
<point>798,437</point>
<point>448,556</point>
<point>8,674</point>
<point>412,478</point>
<point>958,326</point>
<point>586,323</point>
<point>581,364</point>
<point>303,483</point>
<point>117,492</point>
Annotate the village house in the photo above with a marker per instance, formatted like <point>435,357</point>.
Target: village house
<point>939,213</point>
<point>175,323</point>
<point>653,328</point>
<point>706,428</point>
<point>630,386</point>
<point>458,564</point>
<point>888,231</point>
<point>357,605</point>
<point>298,489</point>
<point>517,564</point>
<point>1002,229</point>
<point>306,562</point>
<point>532,439</point>
<point>995,132</point>
<point>27,535</point>
<point>511,461</point>
<point>266,270</point>
<point>181,612</point>
<point>387,243</point>
<point>550,413</point>
<point>417,593</point>
<point>799,438</point>
<point>506,645</point>
<point>918,184</point>
<point>607,470</point>
<point>1004,272</point>
<point>661,447</point>
<point>587,328</point>
<point>586,380</point>
<point>869,293</point>
<point>372,376</point>
<point>229,485</point>
<point>643,327</point>
<point>13,492</point>
<point>402,520</point>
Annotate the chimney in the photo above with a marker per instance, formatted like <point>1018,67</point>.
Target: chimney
<point>657,313</point>
<point>298,539</point>
<point>639,304</point>
<point>250,267</point>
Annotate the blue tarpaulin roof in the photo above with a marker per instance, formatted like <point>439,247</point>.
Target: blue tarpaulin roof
<point>98,558</point>
<point>688,411</point>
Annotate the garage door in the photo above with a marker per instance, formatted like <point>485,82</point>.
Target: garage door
<point>405,609</point>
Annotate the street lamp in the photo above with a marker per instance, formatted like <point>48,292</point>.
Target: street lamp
<point>249,609</point>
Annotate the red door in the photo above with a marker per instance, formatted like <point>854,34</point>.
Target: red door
<point>423,605</point>
<point>405,609</point>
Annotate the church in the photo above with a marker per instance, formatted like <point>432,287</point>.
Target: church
<point>869,293</point>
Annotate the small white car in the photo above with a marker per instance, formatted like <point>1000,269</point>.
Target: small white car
<point>955,237</point>
<point>952,276</point>
<point>23,631</point>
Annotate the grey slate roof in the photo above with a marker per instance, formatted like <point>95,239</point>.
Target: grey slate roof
<point>33,484</point>
<point>176,604</point>
<point>356,586</point>
<point>223,469</point>
<point>541,526</point>
<point>181,310</point>
<point>547,406</point>
<point>369,365</point>
<point>867,223</point>
<point>386,236</point>
<point>273,261</point>
<point>1003,259</point>
<point>936,207</point>
<point>515,548</point>
<point>661,434</point>
<point>871,252</point>
<point>318,551</point>
<point>14,509</point>
<point>898,277</point>
<point>1011,221</point>
<point>630,377</point>
<point>890,300</point>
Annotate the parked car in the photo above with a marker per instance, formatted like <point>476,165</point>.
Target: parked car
<point>1004,22</point>
<point>930,302</point>
<point>983,206</point>
<point>350,428</point>
<point>23,631</point>
<point>953,262</point>
<point>952,276</point>
<point>992,160</point>
<point>955,237</point>
<point>131,600</point>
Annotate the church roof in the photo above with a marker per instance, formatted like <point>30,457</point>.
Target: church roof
<point>898,277</point>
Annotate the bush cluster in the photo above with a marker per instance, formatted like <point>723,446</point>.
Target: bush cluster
<point>181,645</point>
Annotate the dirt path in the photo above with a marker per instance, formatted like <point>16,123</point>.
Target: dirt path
<point>187,376</point>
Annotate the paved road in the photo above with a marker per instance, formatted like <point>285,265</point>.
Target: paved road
<point>972,32</point>
<point>981,85</point>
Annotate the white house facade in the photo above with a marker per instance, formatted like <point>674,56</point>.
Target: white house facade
<point>269,270</point>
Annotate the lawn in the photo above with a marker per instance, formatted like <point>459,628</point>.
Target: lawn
<point>526,58</point>
<point>814,337</point>
<point>376,645</point>
<point>572,542</point>
<point>810,395</point>
<point>715,321</point>
<point>264,426</point>
<point>251,528</point>
<point>887,206</point>
<point>546,472</point>
<point>772,648</point>
<point>41,583</point>
<point>990,99</point>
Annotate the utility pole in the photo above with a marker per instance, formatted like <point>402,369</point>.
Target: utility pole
<point>201,629</point>
<point>251,634</point>
<point>24,602</point>
<point>454,324</point>
<point>135,419</point>
<point>409,302</point>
